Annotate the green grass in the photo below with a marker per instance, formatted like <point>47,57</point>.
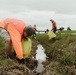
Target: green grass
<point>67,59</point>
<point>68,31</point>
<point>6,62</point>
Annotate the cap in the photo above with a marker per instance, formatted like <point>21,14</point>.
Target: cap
<point>29,30</point>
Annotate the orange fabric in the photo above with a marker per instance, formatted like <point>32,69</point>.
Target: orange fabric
<point>35,28</point>
<point>16,39</point>
<point>54,25</point>
<point>19,24</point>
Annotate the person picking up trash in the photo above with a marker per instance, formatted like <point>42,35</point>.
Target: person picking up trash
<point>13,31</point>
<point>54,26</point>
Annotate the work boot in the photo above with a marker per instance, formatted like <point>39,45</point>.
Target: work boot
<point>9,56</point>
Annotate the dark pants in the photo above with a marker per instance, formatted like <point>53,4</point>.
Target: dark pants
<point>34,35</point>
<point>54,30</point>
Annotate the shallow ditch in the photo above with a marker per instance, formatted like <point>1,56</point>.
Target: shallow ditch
<point>40,57</point>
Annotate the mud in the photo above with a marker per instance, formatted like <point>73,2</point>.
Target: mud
<point>15,70</point>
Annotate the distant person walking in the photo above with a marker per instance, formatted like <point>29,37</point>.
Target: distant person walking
<point>54,27</point>
<point>34,35</point>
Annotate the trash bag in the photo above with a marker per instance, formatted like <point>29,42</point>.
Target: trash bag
<point>51,34</point>
<point>26,46</point>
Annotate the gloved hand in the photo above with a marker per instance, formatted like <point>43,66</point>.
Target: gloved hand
<point>21,61</point>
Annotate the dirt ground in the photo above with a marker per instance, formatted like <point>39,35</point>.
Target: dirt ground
<point>18,69</point>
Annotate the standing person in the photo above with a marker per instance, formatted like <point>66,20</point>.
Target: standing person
<point>12,31</point>
<point>54,27</point>
<point>34,35</point>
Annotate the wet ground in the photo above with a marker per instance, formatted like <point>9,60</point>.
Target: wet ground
<point>40,57</point>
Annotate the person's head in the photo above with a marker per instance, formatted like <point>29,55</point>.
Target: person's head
<point>28,30</point>
<point>34,25</point>
<point>52,20</point>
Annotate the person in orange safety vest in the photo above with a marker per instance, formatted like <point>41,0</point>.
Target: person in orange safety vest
<point>12,31</point>
<point>54,26</point>
<point>34,35</point>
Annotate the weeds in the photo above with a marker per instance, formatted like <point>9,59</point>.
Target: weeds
<point>66,59</point>
<point>5,62</point>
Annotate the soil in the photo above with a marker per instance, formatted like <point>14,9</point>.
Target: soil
<point>18,69</point>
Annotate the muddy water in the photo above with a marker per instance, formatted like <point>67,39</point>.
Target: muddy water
<point>40,57</point>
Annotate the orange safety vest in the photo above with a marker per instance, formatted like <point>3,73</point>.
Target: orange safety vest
<point>34,28</point>
<point>15,29</point>
<point>54,25</point>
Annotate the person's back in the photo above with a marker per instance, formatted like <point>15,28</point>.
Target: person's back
<point>19,24</point>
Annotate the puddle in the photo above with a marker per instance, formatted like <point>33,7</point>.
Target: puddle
<point>40,57</point>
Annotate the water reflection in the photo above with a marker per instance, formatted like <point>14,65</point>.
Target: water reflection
<point>41,57</point>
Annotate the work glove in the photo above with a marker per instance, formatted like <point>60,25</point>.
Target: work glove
<point>21,61</point>
<point>25,38</point>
